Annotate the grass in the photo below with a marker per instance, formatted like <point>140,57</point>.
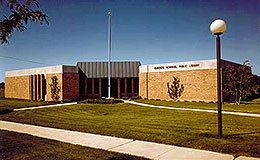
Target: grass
<point>16,146</point>
<point>15,103</point>
<point>175,127</point>
<point>247,108</point>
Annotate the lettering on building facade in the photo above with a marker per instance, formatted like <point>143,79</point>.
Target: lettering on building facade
<point>178,66</point>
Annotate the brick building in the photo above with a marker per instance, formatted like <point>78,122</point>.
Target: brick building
<point>86,80</point>
<point>33,84</point>
<point>198,77</point>
<point>89,80</point>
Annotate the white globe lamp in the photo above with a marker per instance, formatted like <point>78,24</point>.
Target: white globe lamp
<point>218,27</point>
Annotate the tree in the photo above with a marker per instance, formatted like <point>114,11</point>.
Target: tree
<point>239,83</point>
<point>2,85</point>
<point>175,88</point>
<point>21,12</point>
<point>55,88</point>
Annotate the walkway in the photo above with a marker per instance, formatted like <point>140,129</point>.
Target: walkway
<point>54,105</point>
<point>127,146</point>
<point>190,109</point>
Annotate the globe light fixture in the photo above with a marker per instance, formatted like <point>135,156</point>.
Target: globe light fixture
<point>217,28</point>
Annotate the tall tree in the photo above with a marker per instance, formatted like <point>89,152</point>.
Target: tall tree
<point>239,83</point>
<point>2,85</point>
<point>20,13</point>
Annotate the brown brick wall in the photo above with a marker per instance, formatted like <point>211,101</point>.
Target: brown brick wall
<point>71,86</point>
<point>17,87</point>
<point>48,88</point>
<point>200,85</point>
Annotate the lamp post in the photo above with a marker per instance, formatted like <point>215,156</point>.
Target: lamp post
<point>109,51</point>
<point>217,28</point>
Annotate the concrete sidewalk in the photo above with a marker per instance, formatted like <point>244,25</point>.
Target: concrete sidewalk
<point>190,109</point>
<point>121,145</point>
<point>54,105</point>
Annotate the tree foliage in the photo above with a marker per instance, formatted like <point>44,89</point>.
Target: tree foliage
<point>2,85</point>
<point>21,12</point>
<point>175,88</point>
<point>55,88</point>
<point>239,83</point>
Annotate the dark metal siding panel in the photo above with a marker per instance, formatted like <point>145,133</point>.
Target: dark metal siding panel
<point>105,73</point>
<point>131,72</point>
<point>101,69</point>
<point>84,68</point>
<point>90,66</point>
<point>124,70</point>
<point>127,69</point>
<point>112,69</point>
<point>118,69</point>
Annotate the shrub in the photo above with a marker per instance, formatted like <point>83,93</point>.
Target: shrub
<point>55,88</point>
<point>175,88</point>
<point>55,102</point>
<point>102,101</point>
<point>136,97</point>
<point>66,101</point>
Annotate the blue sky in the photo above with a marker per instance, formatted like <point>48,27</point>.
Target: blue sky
<point>150,31</point>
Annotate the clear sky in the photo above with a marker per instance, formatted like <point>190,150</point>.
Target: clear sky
<point>150,31</point>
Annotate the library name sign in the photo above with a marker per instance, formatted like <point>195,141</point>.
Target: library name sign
<point>181,66</point>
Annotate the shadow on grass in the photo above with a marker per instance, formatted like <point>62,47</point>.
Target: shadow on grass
<point>241,134</point>
<point>231,136</point>
<point>5,110</point>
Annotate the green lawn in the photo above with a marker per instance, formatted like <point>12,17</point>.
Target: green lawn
<point>176,127</point>
<point>16,146</point>
<point>14,103</point>
<point>251,107</point>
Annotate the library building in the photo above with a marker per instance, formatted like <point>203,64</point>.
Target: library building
<point>128,79</point>
<point>85,80</point>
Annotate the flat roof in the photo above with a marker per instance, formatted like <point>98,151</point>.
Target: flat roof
<point>43,70</point>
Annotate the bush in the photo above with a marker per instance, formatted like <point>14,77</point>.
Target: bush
<point>175,88</point>
<point>55,102</point>
<point>125,98</point>
<point>102,101</point>
<point>5,110</point>
<point>136,97</point>
<point>66,101</point>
